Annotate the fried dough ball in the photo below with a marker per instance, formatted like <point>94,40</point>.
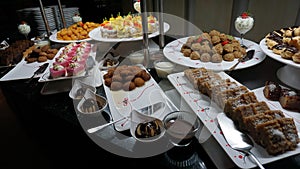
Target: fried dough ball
<point>184,46</point>
<point>53,51</point>
<point>50,56</point>
<point>42,59</point>
<point>145,75</point>
<point>215,39</point>
<point>116,86</point>
<point>128,86</point>
<point>228,57</point>
<point>216,58</point>
<point>205,49</point>
<point>237,54</point>
<point>195,55</point>
<point>223,37</point>
<point>117,78</point>
<point>196,46</point>
<point>228,48</point>
<point>205,35</point>
<point>205,57</point>
<point>219,48</point>
<point>31,59</point>
<point>107,82</point>
<point>214,33</point>
<point>128,78</point>
<point>139,81</point>
<point>107,75</point>
<point>187,52</point>
<point>45,48</point>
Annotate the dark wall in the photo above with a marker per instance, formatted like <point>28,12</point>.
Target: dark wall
<point>90,10</point>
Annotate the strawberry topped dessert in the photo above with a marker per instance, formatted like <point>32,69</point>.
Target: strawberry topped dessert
<point>244,22</point>
<point>71,61</point>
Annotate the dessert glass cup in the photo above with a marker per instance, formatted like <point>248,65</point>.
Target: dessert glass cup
<point>181,127</point>
<point>243,25</point>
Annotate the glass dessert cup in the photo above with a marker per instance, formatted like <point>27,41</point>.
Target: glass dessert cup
<point>181,127</point>
<point>243,25</point>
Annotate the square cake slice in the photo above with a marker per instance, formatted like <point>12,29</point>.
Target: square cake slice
<point>272,137</point>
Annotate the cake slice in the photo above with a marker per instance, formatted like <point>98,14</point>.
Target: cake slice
<point>272,90</point>
<point>242,112</point>
<point>290,99</point>
<point>221,96</point>
<point>290,131</point>
<point>243,99</point>
<point>211,78</point>
<point>194,74</point>
<point>275,114</point>
<point>251,123</point>
<point>272,137</point>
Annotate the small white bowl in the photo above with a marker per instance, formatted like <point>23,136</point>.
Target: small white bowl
<point>102,66</point>
<point>79,85</point>
<point>137,57</point>
<point>163,68</point>
<point>139,123</point>
<point>100,103</point>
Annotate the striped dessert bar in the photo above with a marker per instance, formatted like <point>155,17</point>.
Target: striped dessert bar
<point>251,123</point>
<point>272,137</point>
<point>242,99</point>
<point>242,112</point>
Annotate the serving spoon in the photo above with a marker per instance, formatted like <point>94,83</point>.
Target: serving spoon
<point>94,129</point>
<point>248,56</point>
<point>148,110</point>
<point>236,139</point>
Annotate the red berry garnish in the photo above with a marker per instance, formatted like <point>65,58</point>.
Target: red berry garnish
<point>225,42</point>
<point>244,15</point>
<point>199,40</point>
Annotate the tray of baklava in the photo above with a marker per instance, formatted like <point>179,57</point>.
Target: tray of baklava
<point>275,131</point>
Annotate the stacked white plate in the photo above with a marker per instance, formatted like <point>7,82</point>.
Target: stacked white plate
<point>68,15</point>
<point>33,17</point>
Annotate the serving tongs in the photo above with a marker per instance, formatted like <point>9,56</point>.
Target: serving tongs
<point>248,56</point>
<point>237,140</point>
<point>40,70</point>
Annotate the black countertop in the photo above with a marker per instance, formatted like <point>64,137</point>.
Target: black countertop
<point>51,121</point>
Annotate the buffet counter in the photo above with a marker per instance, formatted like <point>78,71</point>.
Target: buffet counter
<point>37,104</point>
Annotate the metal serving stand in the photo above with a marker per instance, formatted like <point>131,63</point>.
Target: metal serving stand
<point>45,18</point>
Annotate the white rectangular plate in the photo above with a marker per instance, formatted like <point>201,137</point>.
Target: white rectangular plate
<point>207,112</point>
<point>45,77</point>
<point>121,102</point>
<point>24,70</point>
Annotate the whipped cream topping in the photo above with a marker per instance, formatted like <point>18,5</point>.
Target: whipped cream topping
<point>24,29</point>
<point>137,6</point>
<point>243,25</point>
<point>76,18</point>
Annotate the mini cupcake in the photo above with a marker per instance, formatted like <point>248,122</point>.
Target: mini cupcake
<point>57,71</point>
<point>62,61</point>
<point>74,69</point>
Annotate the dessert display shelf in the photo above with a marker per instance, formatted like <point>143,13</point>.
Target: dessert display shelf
<point>288,73</point>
